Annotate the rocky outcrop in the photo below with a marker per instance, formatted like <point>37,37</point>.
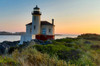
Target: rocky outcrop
<point>8,45</point>
<point>4,46</point>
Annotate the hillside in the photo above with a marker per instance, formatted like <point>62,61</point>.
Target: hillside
<point>10,33</point>
<point>61,52</point>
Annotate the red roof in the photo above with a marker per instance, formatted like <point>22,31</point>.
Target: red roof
<point>42,23</point>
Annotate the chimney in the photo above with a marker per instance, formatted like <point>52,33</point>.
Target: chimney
<point>53,21</point>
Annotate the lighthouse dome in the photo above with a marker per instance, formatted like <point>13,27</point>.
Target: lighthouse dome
<point>36,7</point>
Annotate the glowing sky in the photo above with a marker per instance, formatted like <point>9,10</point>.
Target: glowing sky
<point>71,16</point>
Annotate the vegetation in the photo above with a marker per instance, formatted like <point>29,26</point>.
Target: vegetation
<point>90,36</point>
<point>81,51</point>
<point>31,57</point>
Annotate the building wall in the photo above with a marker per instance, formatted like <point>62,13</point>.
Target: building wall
<point>25,38</point>
<point>28,36</point>
<point>36,24</point>
<point>28,29</point>
<point>49,29</point>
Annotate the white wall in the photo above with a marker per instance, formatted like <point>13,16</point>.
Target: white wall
<point>36,23</point>
<point>28,36</point>
<point>28,29</point>
<point>47,29</point>
<point>25,38</point>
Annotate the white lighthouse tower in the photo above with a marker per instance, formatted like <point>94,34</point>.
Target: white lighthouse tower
<point>36,19</point>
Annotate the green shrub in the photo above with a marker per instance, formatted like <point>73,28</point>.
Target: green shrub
<point>11,49</point>
<point>63,52</point>
<point>31,57</point>
<point>90,36</point>
<point>7,61</point>
<point>67,40</point>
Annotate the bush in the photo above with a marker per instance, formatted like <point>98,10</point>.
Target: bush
<point>73,55</point>
<point>90,36</point>
<point>11,49</point>
<point>31,57</point>
<point>67,40</point>
<point>63,52</point>
<point>95,46</point>
<point>6,61</point>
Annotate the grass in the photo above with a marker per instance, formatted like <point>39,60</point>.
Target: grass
<point>31,57</point>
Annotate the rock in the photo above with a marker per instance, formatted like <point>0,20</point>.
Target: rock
<point>87,42</point>
<point>95,46</point>
<point>2,49</point>
<point>48,42</point>
<point>42,42</point>
<point>5,45</point>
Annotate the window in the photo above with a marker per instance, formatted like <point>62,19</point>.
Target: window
<point>49,30</point>
<point>30,30</point>
<point>34,17</point>
<point>44,31</point>
<point>34,27</point>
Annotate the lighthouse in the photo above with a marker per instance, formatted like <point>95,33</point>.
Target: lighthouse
<point>37,29</point>
<point>36,19</point>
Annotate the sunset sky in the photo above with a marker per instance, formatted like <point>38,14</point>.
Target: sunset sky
<point>71,16</point>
